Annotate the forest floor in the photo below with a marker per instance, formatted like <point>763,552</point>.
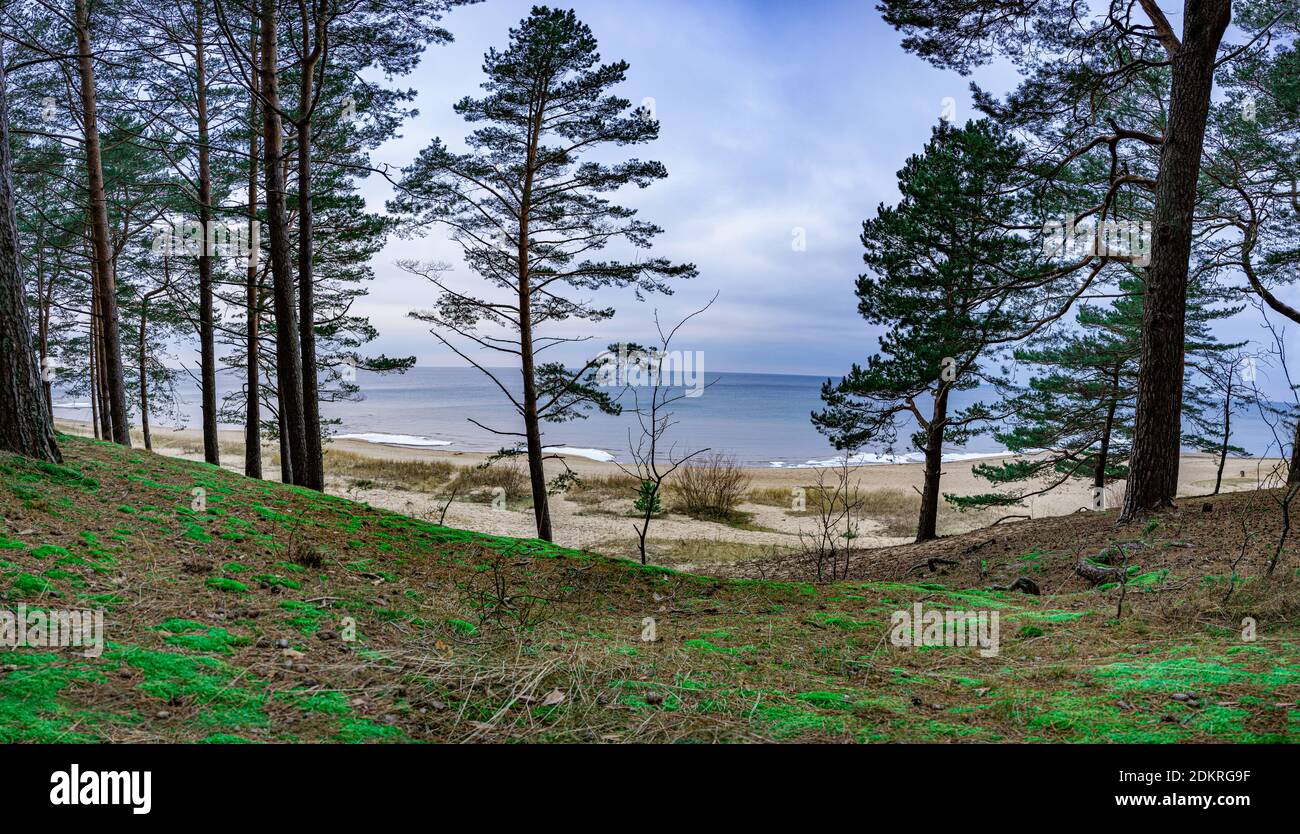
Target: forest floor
<point>244,610</point>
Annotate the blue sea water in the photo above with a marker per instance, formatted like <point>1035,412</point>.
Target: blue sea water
<point>761,419</point>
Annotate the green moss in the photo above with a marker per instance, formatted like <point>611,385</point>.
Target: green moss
<point>223,584</point>
<point>26,586</point>
<point>272,579</point>
<point>196,533</point>
<point>307,618</point>
<point>361,730</point>
<point>785,720</point>
<point>462,626</point>
<point>213,639</point>
<point>331,703</point>
<point>826,700</point>
<point>1184,673</point>
<point>31,705</point>
<point>66,475</point>
<point>171,676</point>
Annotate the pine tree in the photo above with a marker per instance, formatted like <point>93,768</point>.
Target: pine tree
<point>1078,60</point>
<point>525,205</point>
<point>1074,419</point>
<point>952,282</point>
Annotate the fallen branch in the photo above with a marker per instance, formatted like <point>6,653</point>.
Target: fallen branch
<point>1023,583</point>
<point>1098,574</point>
<point>931,564</point>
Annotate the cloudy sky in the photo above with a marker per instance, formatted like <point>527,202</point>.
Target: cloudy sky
<point>777,118</point>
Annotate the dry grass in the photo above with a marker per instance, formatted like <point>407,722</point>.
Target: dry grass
<point>415,475</point>
<point>594,489</point>
<point>681,552</point>
<point>773,496</point>
<point>481,483</point>
<point>710,487</point>
<point>163,438</point>
<point>895,509</point>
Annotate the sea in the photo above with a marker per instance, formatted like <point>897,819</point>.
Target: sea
<point>759,419</point>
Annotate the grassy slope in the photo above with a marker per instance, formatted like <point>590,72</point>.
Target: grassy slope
<point>217,633</point>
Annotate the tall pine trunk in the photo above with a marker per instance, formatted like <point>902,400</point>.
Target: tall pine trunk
<point>532,425</point>
<point>92,371</point>
<point>207,330</point>
<point>101,390</point>
<point>44,292</point>
<point>1153,475</point>
<point>532,422</point>
<point>288,360</point>
<point>105,281</point>
<point>313,474</point>
<point>928,523</point>
<point>26,426</point>
<point>252,384</point>
<point>141,347</point>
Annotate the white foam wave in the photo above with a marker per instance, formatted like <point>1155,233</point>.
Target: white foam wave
<point>385,439</point>
<point>593,454</point>
<point>874,459</point>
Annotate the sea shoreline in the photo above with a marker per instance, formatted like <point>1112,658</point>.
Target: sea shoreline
<point>679,541</point>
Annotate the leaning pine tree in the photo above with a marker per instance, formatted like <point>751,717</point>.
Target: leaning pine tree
<point>525,205</point>
<point>952,282</point>
<point>25,423</point>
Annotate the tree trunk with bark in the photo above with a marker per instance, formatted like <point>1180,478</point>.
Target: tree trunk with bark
<point>532,422</point>
<point>26,426</point>
<point>313,475</point>
<point>141,347</point>
<point>101,390</point>
<point>105,281</point>
<point>928,524</point>
<point>207,328</point>
<point>532,425</point>
<point>92,373</point>
<point>1293,469</point>
<point>253,395</point>
<point>1153,465</point>
<point>288,359</point>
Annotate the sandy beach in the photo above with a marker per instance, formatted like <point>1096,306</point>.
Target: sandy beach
<point>601,521</point>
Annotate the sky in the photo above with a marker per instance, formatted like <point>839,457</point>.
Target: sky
<point>778,120</point>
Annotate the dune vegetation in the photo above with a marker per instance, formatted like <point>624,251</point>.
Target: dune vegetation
<point>245,610</point>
